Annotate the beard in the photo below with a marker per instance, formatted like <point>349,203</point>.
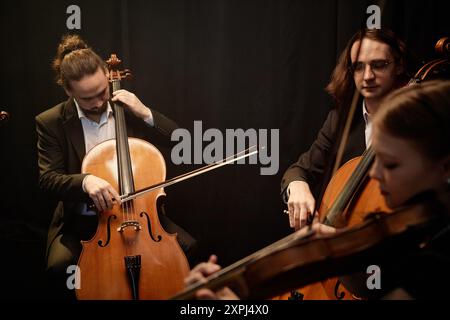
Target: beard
<point>95,111</point>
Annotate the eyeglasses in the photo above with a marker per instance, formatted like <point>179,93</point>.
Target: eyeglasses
<point>375,65</point>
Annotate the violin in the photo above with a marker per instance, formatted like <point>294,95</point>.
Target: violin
<point>307,256</point>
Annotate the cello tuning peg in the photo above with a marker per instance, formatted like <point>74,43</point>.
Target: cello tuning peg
<point>126,74</point>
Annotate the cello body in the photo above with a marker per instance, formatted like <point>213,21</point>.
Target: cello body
<point>103,272</point>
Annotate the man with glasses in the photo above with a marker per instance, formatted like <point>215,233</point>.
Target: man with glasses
<point>374,64</point>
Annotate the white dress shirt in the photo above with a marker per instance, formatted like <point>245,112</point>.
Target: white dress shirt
<point>368,121</point>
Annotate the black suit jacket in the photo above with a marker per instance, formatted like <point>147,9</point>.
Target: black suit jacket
<point>314,166</point>
<point>61,149</point>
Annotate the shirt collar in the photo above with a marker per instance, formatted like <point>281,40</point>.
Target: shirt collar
<point>366,115</point>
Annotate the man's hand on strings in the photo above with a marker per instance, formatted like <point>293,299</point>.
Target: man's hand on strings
<point>301,204</point>
<point>101,192</point>
<point>132,102</point>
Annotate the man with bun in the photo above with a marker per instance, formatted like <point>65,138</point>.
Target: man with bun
<point>66,133</point>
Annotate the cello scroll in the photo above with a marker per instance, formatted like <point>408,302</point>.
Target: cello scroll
<point>438,68</point>
<point>115,74</point>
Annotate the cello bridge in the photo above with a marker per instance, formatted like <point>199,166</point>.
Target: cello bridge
<point>132,223</point>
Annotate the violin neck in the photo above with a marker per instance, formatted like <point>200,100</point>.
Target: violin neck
<point>126,183</point>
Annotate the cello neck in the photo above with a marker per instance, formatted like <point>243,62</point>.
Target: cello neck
<point>351,187</point>
<point>126,182</point>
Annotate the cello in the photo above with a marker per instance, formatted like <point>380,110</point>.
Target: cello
<point>130,256</point>
<point>351,194</point>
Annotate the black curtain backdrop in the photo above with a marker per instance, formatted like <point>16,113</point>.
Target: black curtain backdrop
<point>259,64</point>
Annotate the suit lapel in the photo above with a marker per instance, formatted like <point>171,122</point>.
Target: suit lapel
<point>73,129</point>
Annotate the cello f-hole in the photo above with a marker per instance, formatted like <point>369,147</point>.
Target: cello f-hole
<point>149,225</point>
<point>337,294</point>
<point>108,232</point>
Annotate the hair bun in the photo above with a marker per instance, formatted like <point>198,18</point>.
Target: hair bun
<point>69,44</point>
